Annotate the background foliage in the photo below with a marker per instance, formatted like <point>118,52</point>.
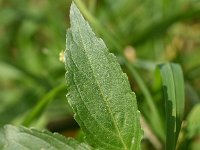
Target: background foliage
<point>32,34</point>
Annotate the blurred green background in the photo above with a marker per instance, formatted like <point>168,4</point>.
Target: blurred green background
<point>32,35</point>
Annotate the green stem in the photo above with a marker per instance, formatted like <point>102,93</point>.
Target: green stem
<point>42,103</point>
<point>94,22</point>
<point>92,5</point>
<point>157,125</point>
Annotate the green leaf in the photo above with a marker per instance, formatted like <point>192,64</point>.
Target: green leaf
<point>21,138</point>
<point>173,88</point>
<point>191,130</point>
<point>193,122</point>
<point>99,93</point>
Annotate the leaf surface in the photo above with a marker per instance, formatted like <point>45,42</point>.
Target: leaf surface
<point>173,88</point>
<point>14,138</point>
<point>193,122</point>
<point>99,92</point>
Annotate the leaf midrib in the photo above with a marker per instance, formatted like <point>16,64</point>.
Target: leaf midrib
<point>104,99</point>
<point>91,115</point>
<point>177,115</point>
<point>174,89</point>
<point>78,90</point>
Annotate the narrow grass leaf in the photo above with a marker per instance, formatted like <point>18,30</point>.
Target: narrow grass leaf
<point>191,130</point>
<point>193,122</point>
<point>14,138</point>
<point>42,104</point>
<point>173,88</point>
<point>99,92</point>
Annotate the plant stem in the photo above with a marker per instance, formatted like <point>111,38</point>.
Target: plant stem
<point>42,103</point>
<point>94,22</point>
<point>157,125</point>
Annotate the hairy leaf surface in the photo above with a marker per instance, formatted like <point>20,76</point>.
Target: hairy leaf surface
<point>99,92</point>
<point>21,138</point>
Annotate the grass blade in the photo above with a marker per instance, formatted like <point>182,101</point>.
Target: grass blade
<point>42,104</point>
<point>193,122</point>
<point>173,88</point>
